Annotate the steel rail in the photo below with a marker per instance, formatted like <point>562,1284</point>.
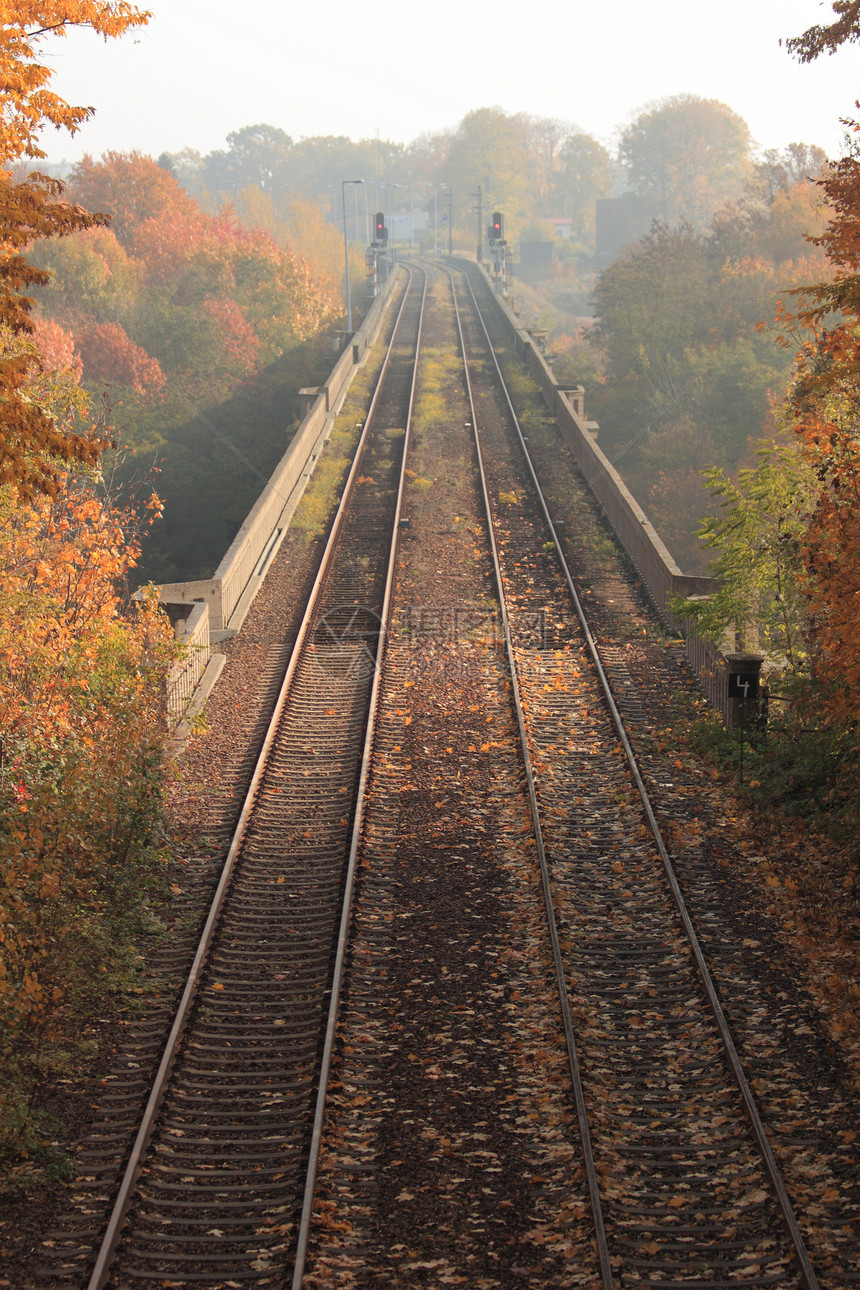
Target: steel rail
<point>113,1231</point>
<point>733,1059</point>
<point>561,980</point>
<point>357,826</point>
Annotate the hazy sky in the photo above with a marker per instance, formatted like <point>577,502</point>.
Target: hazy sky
<point>203,68</point>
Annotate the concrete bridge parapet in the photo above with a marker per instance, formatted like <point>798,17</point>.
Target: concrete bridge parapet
<point>228,594</point>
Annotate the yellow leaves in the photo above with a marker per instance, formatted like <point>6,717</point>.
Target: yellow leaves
<point>81,710</point>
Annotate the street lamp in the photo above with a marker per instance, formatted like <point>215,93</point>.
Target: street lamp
<point>435,223</point>
<point>450,218</point>
<point>343,184</point>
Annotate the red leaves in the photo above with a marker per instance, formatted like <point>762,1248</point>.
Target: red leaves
<point>109,355</point>
<point>33,448</point>
<point>236,336</point>
<point>235,296</point>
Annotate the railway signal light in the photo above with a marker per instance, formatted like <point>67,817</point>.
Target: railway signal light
<point>380,227</point>
<point>496,229</point>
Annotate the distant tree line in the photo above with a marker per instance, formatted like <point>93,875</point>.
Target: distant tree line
<point>680,374</point>
<point>682,158</point>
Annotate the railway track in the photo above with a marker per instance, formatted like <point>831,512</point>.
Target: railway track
<point>216,1172</point>
<point>682,1179</point>
<point>483,766</point>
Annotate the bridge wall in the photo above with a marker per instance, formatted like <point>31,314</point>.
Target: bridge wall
<point>193,632</point>
<point>223,599</point>
<point>651,558</point>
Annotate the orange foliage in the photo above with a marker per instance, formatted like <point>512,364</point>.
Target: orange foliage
<point>163,243</point>
<point>81,714</point>
<point>130,188</point>
<point>831,549</point>
<point>56,347</point>
<point>30,442</point>
<point>109,355</point>
<point>238,339</point>
<point>817,40</point>
<point>825,406</point>
<point>25,26</point>
<point>32,451</point>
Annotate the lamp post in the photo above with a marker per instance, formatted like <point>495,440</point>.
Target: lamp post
<point>343,184</point>
<point>450,218</point>
<point>435,224</point>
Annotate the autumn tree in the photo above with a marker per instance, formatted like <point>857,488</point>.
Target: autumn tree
<point>129,188</point>
<point>33,450</point>
<point>652,304</point>
<point>545,138</point>
<point>820,39</point>
<point>257,155</point>
<point>490,148</point>
<point>824,404</point>
<point>311,237</point>
<point>756,537</point>
<point>172,302</point>
<point>32,446</point>
<point>687,155</point>
<point>777,172</point>
<point>689,379</point>
<point>82,735</point>
<point>585,174</point>
<point>186,167</point>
